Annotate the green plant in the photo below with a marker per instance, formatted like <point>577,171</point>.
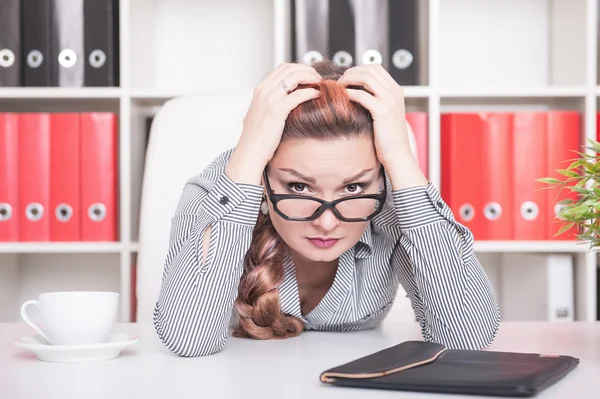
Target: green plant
<point>582,177</point>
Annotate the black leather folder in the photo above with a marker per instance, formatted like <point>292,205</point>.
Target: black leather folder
<point>404,40</point>
<point>37,43</point>
<point>341,33</point>
<point>371,32</point>
<point>67,43</point>
<point>101,42</point>
<point>429,367</point>
<point>10,43</point>
<point>309,30</point>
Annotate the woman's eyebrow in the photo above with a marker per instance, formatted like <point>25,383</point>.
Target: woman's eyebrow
<point>357,176</point>
<point>312,180</point>
<point>299,175</point>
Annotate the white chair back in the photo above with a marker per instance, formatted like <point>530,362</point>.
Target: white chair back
<point>186,135</point>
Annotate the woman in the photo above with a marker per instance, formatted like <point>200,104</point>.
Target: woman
<point>313,220</point>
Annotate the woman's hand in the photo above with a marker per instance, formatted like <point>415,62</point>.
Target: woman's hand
<point>384,99</point>
<point>263,124</point>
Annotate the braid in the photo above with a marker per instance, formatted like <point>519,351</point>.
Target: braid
<point>258,304</point>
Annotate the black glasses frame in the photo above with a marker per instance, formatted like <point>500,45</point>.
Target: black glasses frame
<point>275,198</point>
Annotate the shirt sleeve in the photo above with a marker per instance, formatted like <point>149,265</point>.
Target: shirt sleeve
<point>193,310</point>
<point>449,291</point>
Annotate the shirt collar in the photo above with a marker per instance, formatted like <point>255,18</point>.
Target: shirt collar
<point>365,244</point>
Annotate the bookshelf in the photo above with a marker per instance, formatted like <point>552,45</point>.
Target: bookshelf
<point>478,55</point>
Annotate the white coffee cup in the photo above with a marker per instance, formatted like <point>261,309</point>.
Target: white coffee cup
<point>74,317</point>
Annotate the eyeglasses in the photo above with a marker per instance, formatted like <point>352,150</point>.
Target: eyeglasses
<point>301,208</point>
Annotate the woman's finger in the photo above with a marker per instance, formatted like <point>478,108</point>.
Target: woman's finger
<point>385,76</point>
<point>296,98</point>
<point>292,80</point>
<point>370,81</point>
<point>374,105</point>
<point>292,75</point>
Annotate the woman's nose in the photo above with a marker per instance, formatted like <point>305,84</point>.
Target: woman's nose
<point>327,221</point>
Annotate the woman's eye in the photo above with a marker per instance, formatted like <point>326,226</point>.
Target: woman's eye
<point>355,188</point>
<point>297,187</point>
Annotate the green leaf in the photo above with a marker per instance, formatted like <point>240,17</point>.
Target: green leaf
<point>548,180</point>
<point>565,228</point>
<point>585,155</point>
<point>594,145</point>
<point>576,164</point>
<point>568,173</point>
<point>576,212</point>
<point>566,201</point>
<point>581,190</point>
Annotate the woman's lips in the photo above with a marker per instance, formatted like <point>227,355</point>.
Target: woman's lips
<point>323,242</point>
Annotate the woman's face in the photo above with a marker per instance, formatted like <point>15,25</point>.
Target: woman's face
<point>327,170</point>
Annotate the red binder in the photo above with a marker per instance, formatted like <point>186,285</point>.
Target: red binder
<point>9,136</point>
<point>98,177</point>
<point>597,127</point>
<point>529,163</point>
<point>476,171</point>
<point>34,177</point>
<point>64,177</point>
<point>418,123</point>
<point>563,136</point>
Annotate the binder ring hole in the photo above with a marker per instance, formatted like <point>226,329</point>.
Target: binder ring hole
<point>97,58</point>
<point>492,211</point>
<point>34,211</point>
<point>5,212</point>
<point>311,57</point>
<point>402,59</point>
<point>67,58</point>
<point>63,212</point>
<point>557,209</point>
<point>466,212</point>
<point>343,58</point>
<point>35,58</point>
<point>97,212</point>
<point>529,210</point>
<point>372,56</point>
<point>7,58</point>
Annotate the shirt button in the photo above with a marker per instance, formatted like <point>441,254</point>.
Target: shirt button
<point>440,204</point>
<point>224,200</point>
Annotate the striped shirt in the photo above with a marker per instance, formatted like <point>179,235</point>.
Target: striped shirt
<point>415,241</point>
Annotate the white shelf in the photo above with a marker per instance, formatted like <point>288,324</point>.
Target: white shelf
<point>173,48</point>
<point>158,94</point>
<point>161,95</point>
<point>57,92</point>
<point>55,247</point>
<point>531,246</point>
<point>515,92</point>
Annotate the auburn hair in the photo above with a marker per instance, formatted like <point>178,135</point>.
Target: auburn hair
<point>331,115</point>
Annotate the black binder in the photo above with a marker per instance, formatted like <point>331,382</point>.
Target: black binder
<point>309,30</point>
<point>10,43</point>
<point>403,41</point>
<point>341,33</point>
<point>36,36</point>
<point>67,43</point>
<point>371,32</point>
<point>101,38</point>
<point>428,367</point>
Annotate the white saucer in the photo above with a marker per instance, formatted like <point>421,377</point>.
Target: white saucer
<point>77,353</point>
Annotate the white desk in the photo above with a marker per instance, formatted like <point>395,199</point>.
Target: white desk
<point>262,369</point>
